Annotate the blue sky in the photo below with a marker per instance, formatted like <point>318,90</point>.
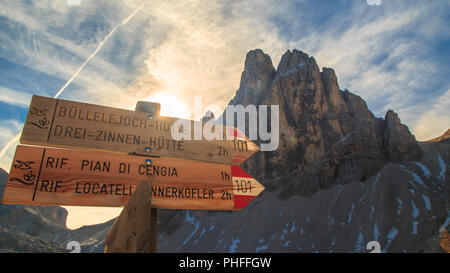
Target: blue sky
<point>395,55</point>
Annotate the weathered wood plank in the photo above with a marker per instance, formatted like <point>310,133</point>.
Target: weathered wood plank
<point>54,176</point>
<point>62,123</point>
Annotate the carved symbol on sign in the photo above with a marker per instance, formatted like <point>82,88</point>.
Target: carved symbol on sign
<point>43,122</point>
<point>28,178</point>
<point>23,165</point>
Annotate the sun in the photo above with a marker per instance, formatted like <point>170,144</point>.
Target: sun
<point>171,106</point>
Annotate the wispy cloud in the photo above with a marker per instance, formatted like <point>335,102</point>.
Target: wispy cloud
<point>389,59</point>
<point>434,120</point>
<point>9,128</point>
<point>204,49</point>
<point>36,35</point>
<point>15,97</point>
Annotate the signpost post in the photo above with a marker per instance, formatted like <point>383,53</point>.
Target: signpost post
<point>151,109</point>
<point>120,151</point>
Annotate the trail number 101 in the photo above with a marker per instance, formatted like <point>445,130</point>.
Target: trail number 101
<point>240,145</point>
<point>243,185</point>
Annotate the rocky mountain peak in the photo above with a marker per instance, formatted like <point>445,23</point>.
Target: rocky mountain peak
<point>327,135</point>
<point>397,138</point>
<point>256,61</point>
<point>294,60</point>
<point>328,74</point>
<point>256,77</point>
<point>391,117</point>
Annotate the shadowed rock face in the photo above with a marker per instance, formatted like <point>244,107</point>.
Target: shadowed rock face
<point>400,207</point>
<point>13,241</point>
<point>327,135</point>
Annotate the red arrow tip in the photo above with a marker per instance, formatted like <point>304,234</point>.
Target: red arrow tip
<point>241,201</point>
<point>236,171</point>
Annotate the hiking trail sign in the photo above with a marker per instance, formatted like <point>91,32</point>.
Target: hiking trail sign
<point>192,174</point>
<point>62,123</point>
<point>52,176</point>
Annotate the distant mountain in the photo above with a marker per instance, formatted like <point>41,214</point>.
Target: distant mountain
<point>35,229</point>
<point>30,228</point>
<point>445,137</point>
<point>340,178</point>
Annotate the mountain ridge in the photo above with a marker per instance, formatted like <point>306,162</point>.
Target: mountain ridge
<point>445,137</point>
<point>317,119</point>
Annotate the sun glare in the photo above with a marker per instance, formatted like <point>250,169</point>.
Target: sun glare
<point>171,106</point>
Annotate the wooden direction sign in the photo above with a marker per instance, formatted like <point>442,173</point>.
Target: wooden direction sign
<point>62,123</point>
<point>52,176</point>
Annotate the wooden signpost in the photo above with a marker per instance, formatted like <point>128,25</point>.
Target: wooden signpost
<point>62,123</point>
<point>52,176</point>
<point>98,156</point>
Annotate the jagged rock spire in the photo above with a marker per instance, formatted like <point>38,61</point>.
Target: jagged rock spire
<point>325,132</point>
